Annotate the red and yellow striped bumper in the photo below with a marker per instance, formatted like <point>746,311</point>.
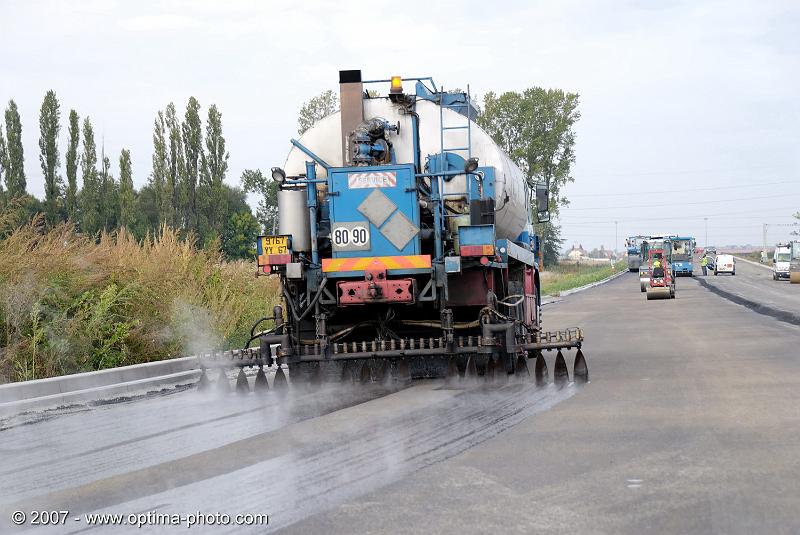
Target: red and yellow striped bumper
<point>376,262</point>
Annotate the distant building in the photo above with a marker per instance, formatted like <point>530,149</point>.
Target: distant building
<point>577,253</point>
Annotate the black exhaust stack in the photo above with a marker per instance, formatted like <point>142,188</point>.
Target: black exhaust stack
<point>351,92</point>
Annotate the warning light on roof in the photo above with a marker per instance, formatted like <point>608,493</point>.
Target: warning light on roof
<point>397,85</point>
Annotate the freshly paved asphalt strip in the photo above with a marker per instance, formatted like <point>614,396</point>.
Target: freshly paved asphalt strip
<point>753,287</point>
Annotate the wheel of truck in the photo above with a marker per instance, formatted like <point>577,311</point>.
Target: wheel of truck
<point>715,272</point>
<point>734,273</point>
<point>643,288</point>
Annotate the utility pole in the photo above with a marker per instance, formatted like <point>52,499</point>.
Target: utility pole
<point>705,246</point>
<point>766,226</point>
<point>616,240</point>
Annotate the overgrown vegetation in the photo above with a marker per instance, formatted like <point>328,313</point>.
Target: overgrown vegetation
<point>70,303</point>
<point>562,277</point>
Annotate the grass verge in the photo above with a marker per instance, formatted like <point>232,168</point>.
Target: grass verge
<point>562,277</point>
<point>69,303</point>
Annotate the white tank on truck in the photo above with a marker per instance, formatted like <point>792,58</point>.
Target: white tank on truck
<point>512,194</point>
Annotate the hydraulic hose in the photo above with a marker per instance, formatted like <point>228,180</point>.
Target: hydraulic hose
<point>299,317</point>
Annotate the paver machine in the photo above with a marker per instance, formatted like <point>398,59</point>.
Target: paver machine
<point>406,249</point>
<point>661,284</point>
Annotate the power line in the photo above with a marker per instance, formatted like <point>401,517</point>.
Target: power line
<point>679,203</point>
<point>767,211</point>
<point>758,220</point>
<point>691,171</point>
<point>714,188</point>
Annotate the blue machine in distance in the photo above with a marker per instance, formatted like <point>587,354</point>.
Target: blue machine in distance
<point>683,255</point>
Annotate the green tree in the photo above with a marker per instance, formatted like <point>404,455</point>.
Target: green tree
<point>158,175</point>
<point>71,196</point>
<point>147,218</point>
<point>192,137</point>
<point>108,195</point>
<point>127,195</point>
<point>239,236</point>
<point>254,181</point>
<point>3,164</point>
<point>536,129</point>
<point>49,158</point>
<point>315,109</point>
<point>90,192</point>
<point>214,168</point>
<point>13,154</point>
<point>171,199</point>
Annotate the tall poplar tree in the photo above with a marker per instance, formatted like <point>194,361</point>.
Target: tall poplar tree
<point>71,194</point>
<point>14,153</point>
<point>192,137</point>
<point>3,166</point>
<point>107,187</point>
<point>214,167</point>
<point>172,202</point>
<point>160,164</point>
<point>49,158</point>
<point>89,196</point>
<point>127,196</point>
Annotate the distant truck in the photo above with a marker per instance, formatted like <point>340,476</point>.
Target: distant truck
<point>781,258</point>
<point>683,255</point>
<point>633,244</point>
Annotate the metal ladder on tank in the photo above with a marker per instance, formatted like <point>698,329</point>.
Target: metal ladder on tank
<point>442,128</point>
<point>467,149</point>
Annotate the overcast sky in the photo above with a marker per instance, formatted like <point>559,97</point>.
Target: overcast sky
<point>689,108</point>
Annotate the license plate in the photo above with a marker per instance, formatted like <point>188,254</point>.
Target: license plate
<point>274,245</point>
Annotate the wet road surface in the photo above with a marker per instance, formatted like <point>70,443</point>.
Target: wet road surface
<point>690,424</point>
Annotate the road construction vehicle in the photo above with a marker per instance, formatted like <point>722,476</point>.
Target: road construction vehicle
<point>683,255</point>
<point>794,263</point>
<point>781,258</point>
<point>644,268</point>
<point>405,249</point>
<point>633,245</point>
<point>661,283</point>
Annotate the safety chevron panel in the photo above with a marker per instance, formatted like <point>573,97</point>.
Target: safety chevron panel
<point>376,262</point>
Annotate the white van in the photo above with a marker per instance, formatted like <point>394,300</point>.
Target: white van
<point>724,263</point>
<point>780,261</point>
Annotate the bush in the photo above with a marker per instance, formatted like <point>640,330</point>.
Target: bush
<point>70,303</point>
<point>565,276</point>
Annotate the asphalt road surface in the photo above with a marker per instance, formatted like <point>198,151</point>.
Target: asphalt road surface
<point>753,286</point>
<point>690,424</point>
